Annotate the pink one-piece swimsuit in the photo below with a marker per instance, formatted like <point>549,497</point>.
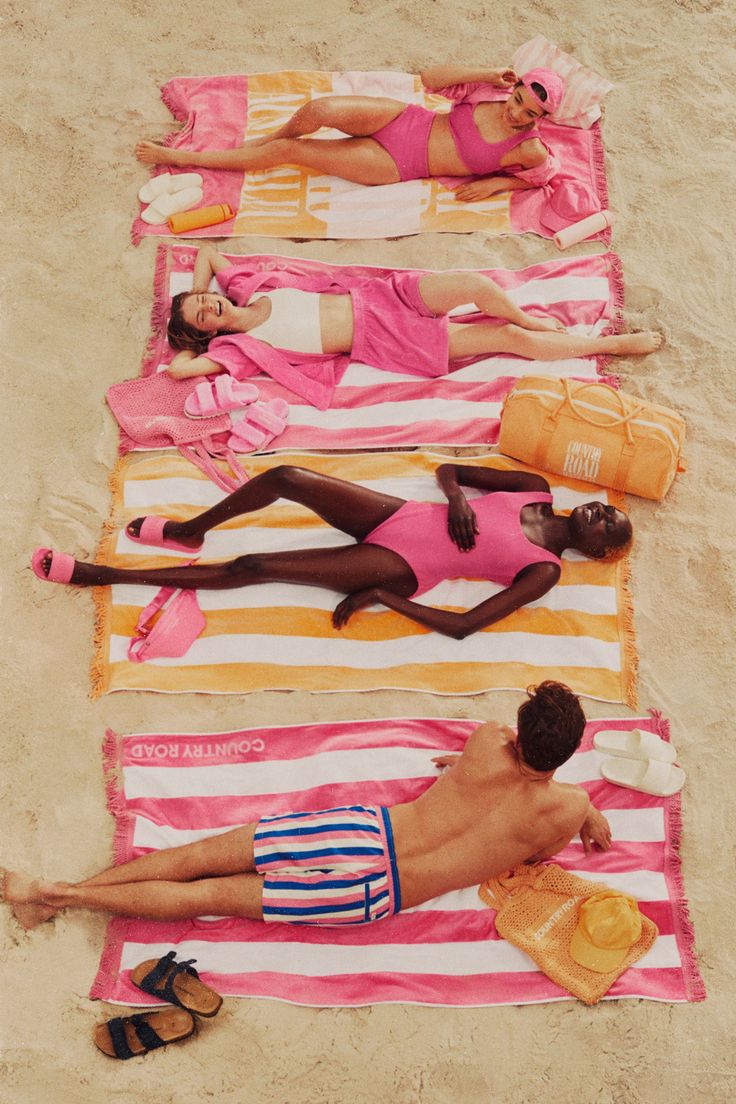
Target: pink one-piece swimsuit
<point>418,533</point>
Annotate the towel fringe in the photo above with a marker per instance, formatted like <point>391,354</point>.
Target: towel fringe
<point>630,653</point>
<point>616,323</point>
<point>159,311</point>
<point>112,772</point>
<point>109,968</point>
<point>685,932</point>
<point>663,725</point>
<point>176,105</point>
<point>178,109</point>
<point>616,270</point>
<point>99,667</point>
<point>598,154</point>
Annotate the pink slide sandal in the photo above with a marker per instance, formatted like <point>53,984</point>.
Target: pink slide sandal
<point>219,396</point>
<point>152,533</point>
<point>61,569</point>
<point>263,422</point>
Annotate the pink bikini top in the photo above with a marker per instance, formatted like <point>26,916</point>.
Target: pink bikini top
<point>481,157</point>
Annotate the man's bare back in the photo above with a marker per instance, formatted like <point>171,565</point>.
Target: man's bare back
<point>487,813</point>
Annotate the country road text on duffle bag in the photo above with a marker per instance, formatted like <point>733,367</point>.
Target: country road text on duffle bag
<point>593,432</point>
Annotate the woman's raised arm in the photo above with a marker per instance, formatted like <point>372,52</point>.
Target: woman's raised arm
<point>529,585</point>
<point>208,263</point>
<point>451,477</point>
<point>442,76</point>
<point>187,364</point>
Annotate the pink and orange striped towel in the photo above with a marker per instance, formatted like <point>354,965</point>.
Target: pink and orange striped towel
<point>280,637</point>
<point>292,202</point>
<point>375,409</point>
<point>169,789</point>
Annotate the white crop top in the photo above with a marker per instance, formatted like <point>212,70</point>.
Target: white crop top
<point>293,322</point>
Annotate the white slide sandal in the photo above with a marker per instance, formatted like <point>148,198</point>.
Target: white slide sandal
<point>650,777</point>
<point>166,205</point>
<point>168,184</point>
<point>635,744</point>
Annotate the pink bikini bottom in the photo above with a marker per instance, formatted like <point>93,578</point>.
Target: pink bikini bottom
<point>406,140</point>
<point>395,330</point>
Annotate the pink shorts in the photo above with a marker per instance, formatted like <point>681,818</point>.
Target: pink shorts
<point>394,329</point>
<point>335,866</point>
<point>406,141</point>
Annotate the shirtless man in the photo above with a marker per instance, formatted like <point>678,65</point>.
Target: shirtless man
<point>494,806</point>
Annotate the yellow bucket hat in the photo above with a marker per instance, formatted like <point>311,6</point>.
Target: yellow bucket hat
<point>609,924</point>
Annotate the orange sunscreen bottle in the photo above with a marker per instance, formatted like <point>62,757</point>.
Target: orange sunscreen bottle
<point>203,216</point>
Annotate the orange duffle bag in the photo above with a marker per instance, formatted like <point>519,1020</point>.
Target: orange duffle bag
<point>593,432</point>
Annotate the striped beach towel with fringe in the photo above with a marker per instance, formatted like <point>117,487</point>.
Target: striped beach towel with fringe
<point>170,789</point>
<point>293,202</point>
<point>280,637</point>
<point>372,408</point>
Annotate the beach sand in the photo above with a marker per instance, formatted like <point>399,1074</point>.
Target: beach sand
<point>81,84</point>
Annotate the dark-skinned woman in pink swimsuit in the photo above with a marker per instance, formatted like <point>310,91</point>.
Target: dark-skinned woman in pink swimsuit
<point>509,535</point>
<point>494,139</point>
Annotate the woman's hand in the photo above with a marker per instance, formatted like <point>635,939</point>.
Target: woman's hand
<point>358,600</point>
<point>462,524</point>
<point>506,78</point>
<point>482,189</point>
<point>596,830</point>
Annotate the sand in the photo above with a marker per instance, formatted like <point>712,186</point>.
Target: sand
<point>81,85</point>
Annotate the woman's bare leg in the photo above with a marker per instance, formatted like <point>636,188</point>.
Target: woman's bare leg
<point>359,116</point>
<point>343,505</point>
<point>354,510</point>
<point>476,340</point>
<point>358,159</point>
<point>343,568</point>
<point>444,291</point>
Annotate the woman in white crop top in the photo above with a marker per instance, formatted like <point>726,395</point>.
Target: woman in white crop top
<point>332,324</point>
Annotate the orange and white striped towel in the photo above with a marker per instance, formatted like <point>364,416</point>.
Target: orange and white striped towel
<point>280,637</point>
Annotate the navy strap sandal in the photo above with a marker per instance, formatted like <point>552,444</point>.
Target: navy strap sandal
<point>127,1037</point>
<point>178,983</point>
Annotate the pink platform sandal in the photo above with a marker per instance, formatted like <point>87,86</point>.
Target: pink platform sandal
<point>263,422</point>
<point>219,396</point>
<point>151,532</point>
<point>60,570</point>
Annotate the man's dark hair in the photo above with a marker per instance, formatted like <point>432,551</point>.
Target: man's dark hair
<point>550,725</point>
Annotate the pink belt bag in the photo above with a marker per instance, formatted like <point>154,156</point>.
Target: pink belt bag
<point>172,633</point>
<point>592,432</point>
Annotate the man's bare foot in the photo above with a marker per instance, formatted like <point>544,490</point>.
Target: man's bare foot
<point>634,344</point>
<point>25,896</point>
<point>173,530</point>
<point>152,153</point>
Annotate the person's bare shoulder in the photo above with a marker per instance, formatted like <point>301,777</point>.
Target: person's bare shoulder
<point>571,809</point>
<point>532,153</point>
<point>485,751</point>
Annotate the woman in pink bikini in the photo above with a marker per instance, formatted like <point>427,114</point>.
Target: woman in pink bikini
<point>510,535</point>
<point>490,132</point>
<point>397,322</point>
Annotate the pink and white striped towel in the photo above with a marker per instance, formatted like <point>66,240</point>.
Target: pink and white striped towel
<point>373,408</point>
<point>166,790</point>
